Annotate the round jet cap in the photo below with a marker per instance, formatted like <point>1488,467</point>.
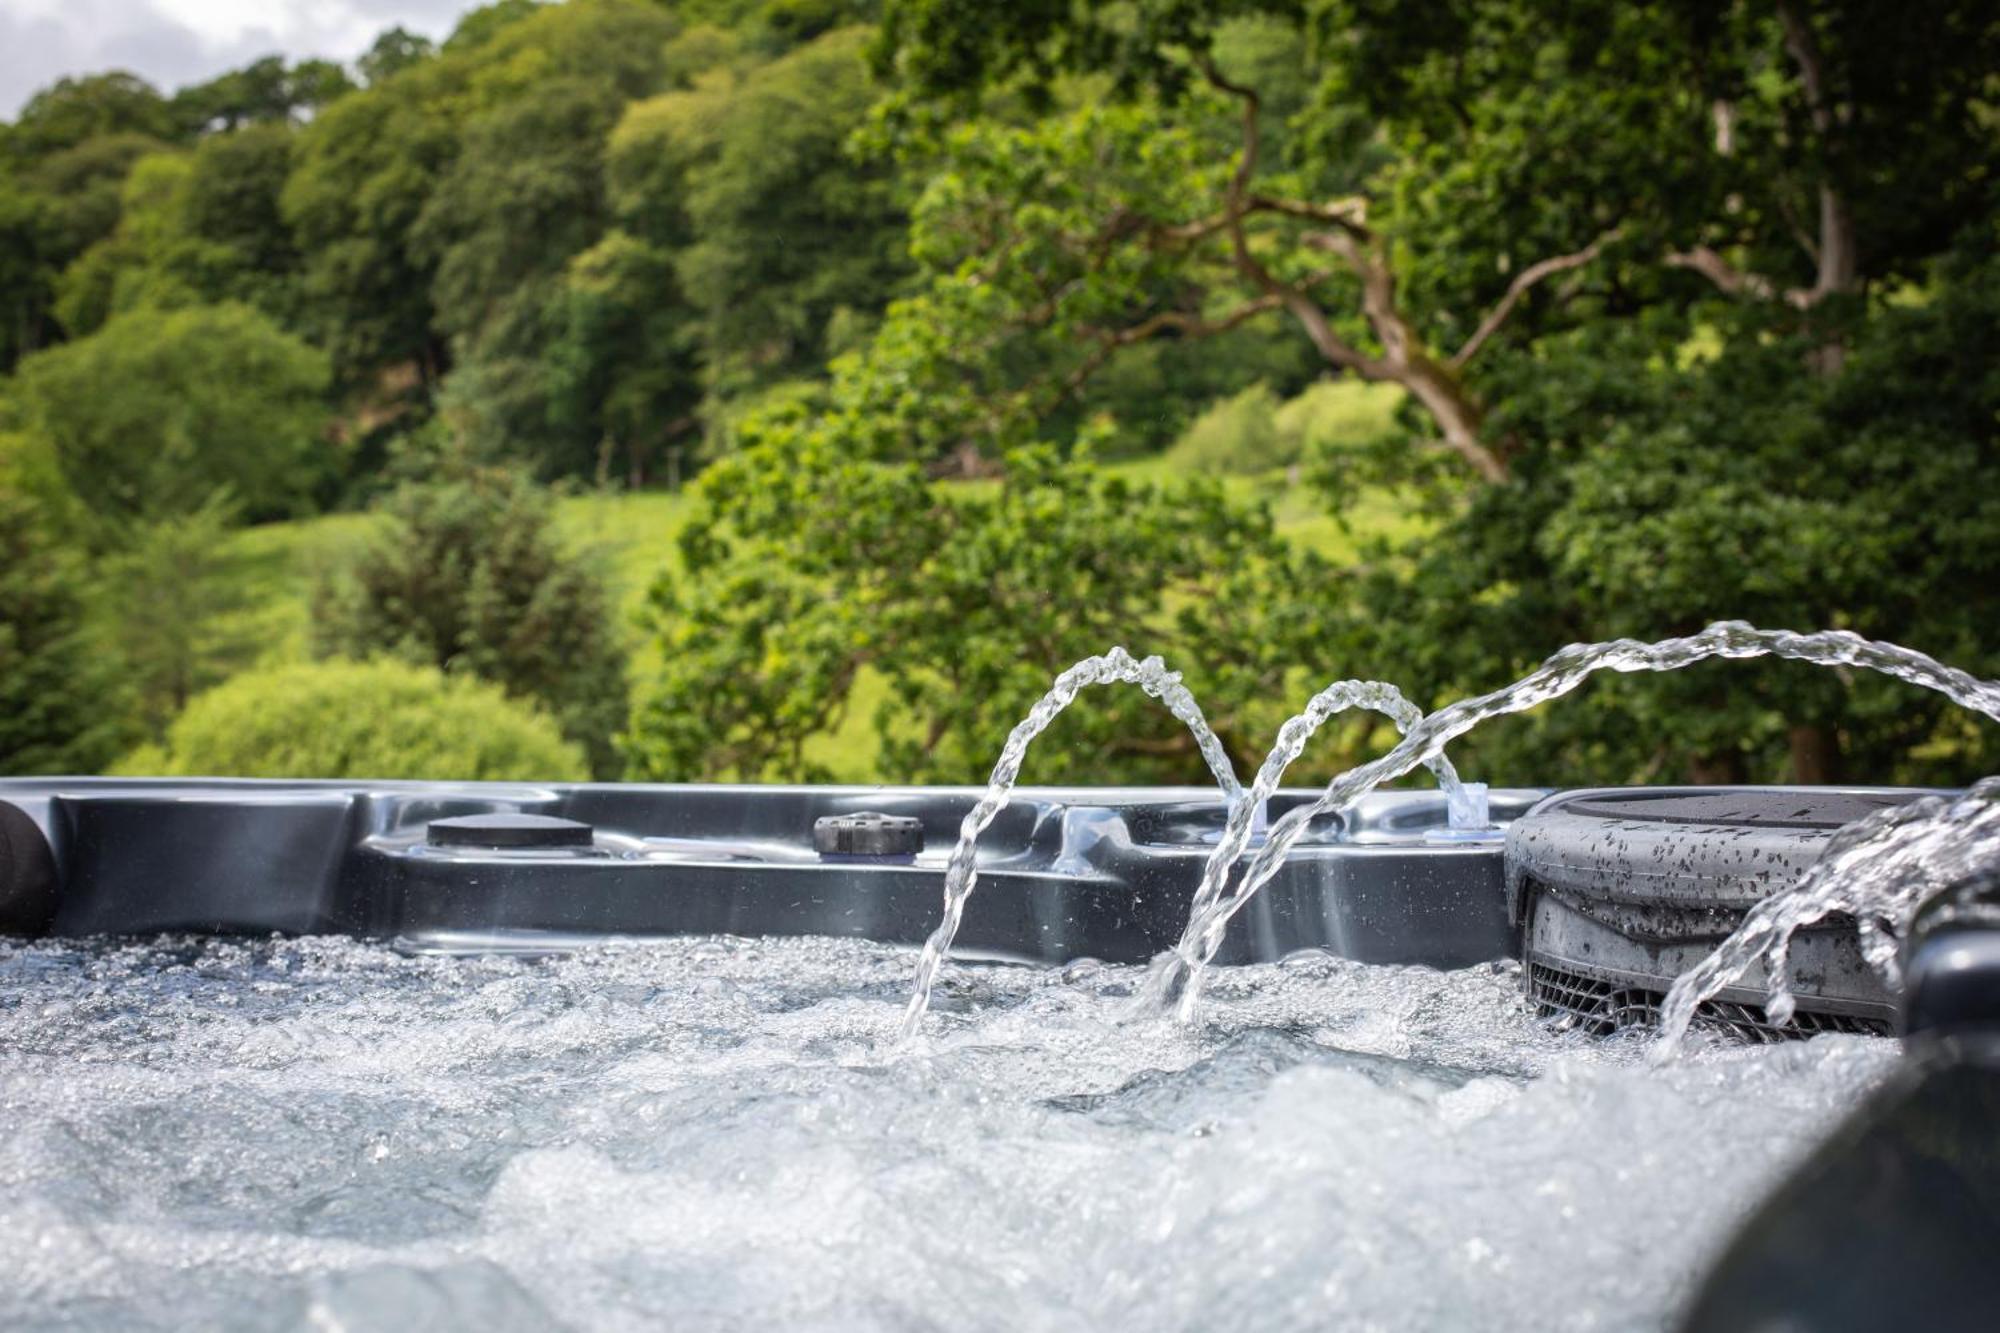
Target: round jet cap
<point>508,830</point>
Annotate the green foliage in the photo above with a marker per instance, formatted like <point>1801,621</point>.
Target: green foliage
<point>466,576</point>
<point>59,708</point>
<point>1334,416</point>
<point>524,196</point>
<point>52,210</point>
<point>396,50</point>
<point>1252,432</point>
<point>1238,434</point>
<point>72,111</point>
<point>1734,487</point>
<point>807,566</point>
<point>159,410</point>
<point>166,598</point>
<point>362,171</point>
<point>613,239</point>
<point>788,230</point>
<point>360,720</point>
<point>774,232</point>
<point>623,366</point>
<point>263,92</point>
<point>196,228</point>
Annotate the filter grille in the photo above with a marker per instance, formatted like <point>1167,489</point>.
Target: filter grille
<point>1602,1007</point>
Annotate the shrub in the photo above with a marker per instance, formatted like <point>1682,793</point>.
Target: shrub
<point>1254,432</point>
<point>466,576</point>
<point>167,600</point>
<point>1336,415</point>
<point>361,720</point>
<point>1235,434</point>
<point>812,584</point>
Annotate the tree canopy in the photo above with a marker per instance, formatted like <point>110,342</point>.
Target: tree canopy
<point>983,344</point>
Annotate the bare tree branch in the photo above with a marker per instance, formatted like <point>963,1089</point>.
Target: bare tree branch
<point>1350,215</point>
<point>1191,326</point>
<point>1378,291</point>
<point>1522,284</point>
<point>1405,362</point>
<point>1728,279</point>
<point>1839,264</point>
<point>1331,346</point>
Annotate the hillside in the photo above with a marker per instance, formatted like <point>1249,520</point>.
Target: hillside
<point>633,537</point>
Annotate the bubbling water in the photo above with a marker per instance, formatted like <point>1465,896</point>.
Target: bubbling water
<point>713,1134</point>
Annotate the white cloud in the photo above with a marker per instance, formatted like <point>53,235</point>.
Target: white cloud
<point>174,42</point>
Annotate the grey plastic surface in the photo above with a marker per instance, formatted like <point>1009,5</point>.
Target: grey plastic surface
<point>1683,846</point>
<point>1064,873</point>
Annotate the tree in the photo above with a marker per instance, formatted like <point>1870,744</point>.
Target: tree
<point>624,364</point>
<point>524,196</point>
<point>202,227</point>
<point>60,710</point>
<point>1528,220</point>
<point>775,228</point>
<point>1736,486</point>
<point>53,209</point>
<point>71,111</point>
<point>1527,155</point>
<point>360,720</point>
<point>807,567</point>
<point>406,248</point>
<point>465,575</point>
<point>165,596</point>
<point>159,410</point>
<point>396,50</point>
<point>361,173</point>
<point>261,93</point>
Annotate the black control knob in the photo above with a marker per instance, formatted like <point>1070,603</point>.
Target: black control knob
<point>868,833</point>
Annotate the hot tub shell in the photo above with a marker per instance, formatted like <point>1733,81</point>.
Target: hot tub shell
<point>1105,873</point>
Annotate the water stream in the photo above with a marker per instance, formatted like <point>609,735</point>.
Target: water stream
<point>1182,968</point>
<point>1879,870</point>
<point>962,872</point>
<point>1335,699</point>
<point>1245,811</point>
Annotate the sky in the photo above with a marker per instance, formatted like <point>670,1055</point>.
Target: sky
<point>174,42</point>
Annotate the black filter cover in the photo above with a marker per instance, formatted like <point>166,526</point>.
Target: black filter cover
<point>1713,847</point>
<point>1893,1223</point>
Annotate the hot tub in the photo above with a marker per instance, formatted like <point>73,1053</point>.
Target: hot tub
<point>460,1055</point>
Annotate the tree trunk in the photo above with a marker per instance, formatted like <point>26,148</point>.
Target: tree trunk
<point>1722,769</point>
<point>1458,417</point>
<point>1815,755</point>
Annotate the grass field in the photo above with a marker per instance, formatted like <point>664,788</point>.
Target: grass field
<point>276,566</point>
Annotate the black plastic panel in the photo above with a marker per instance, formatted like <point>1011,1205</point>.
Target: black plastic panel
<point>1893,1223</point>
<point>1106,873</point>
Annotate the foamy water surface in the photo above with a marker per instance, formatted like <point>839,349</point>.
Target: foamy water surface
<point>723,1134</point>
